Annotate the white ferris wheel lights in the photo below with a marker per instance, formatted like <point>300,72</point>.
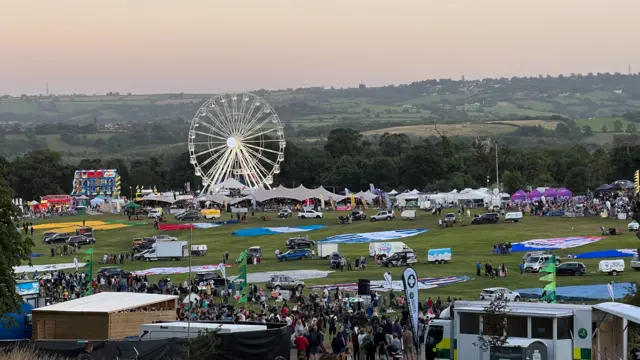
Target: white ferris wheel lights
<point>229,137</point>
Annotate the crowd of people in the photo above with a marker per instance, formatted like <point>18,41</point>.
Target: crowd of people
<point>322,322</point>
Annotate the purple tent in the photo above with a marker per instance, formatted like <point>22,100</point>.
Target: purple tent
<point>550,193</point>
<point>519,196</point>
<point>564,193</point>
<point>535,194</point>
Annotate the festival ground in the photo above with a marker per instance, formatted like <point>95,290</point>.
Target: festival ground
<point>469,245</point>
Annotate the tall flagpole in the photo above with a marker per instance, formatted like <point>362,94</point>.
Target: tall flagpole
<point>189,283</point>
<point>497,180</point>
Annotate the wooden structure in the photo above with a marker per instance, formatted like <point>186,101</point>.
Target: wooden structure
<point>103,316</point>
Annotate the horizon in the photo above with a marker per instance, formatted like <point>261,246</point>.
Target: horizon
<point>212,47</point>
<point>312,86</point>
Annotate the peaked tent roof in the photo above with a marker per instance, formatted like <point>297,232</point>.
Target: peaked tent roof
<point>231,183</point>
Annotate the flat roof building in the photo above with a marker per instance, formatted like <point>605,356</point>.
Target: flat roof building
<point>103,316</point>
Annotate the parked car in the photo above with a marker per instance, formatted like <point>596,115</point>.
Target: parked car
<point>58,238</point>
<point>335,260</point>
<point>450,217</point>
<point>358,215</point>
<point>215,277</point>
<point>310,214</point>
<point>140,255</point>
<point>284,282</point>
<point>165,238</point>
<point>48,235</point>
<point>488,218</point>
<point>145,245</point>
<point>536,262</point>
<point>285,213</point>
<point>297,254</point>
<point>402,258</point>
<point>299,243</point>
<point>499,293</point>
<point>81,240</point>
<point>113,271</point>
<point>571,268</point>
<point>189,215</point>
<point>633,226</point>
<point>383,215</point>
<point>155,213</point>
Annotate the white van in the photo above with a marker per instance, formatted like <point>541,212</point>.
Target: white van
<point>535,262</point>
<point>635,262</point>
<point>611,267</point>
<point>182,330</point>
<point>439,256</point>
<point>386,248</point>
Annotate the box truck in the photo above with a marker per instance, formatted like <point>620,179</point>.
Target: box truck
<point>167,250</point>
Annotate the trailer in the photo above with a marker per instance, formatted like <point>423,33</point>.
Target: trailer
<point>325,250</point>
<point>182,330</point>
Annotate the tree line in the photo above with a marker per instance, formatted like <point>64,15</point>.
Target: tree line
<point>349,160</point>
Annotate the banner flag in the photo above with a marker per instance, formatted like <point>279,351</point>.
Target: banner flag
<point>549,290</point>
<point>242,286</point>
<point>89,260</point>
<point>410,282</point>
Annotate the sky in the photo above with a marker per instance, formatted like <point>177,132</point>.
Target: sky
<point>208,46</point>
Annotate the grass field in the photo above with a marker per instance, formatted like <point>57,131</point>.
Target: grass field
<point>446,129</point>
<point>547,124</point>
<point>597,123</point>
<point>469,244</point>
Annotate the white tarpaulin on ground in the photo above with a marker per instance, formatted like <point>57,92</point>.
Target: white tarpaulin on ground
<point>48,267</point>
<point>396,285</point>
<point>177,270</point>
<point>262,277</point>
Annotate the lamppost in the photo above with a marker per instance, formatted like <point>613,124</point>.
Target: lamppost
<point>130,193</point>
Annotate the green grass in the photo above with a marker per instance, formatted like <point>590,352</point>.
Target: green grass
<point>469,245</point>
<point>506,109</point>
<point>18,107</point>
<point>536,105</point>
<point>598,96</point>
<point>597,123</point>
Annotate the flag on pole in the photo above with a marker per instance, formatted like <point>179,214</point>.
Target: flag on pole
<point>242,276</point>
<point>89,260</point>
<point>549,290</point>
<point>410,282</point>
<point>610,288</point>
<point>222,270</point>
<point>389,280</point>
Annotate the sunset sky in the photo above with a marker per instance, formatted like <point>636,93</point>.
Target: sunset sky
<point>144,46</point>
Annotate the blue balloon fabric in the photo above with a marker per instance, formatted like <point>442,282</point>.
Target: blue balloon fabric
<point>583,292</point>
<point>600,254</point>
<point>372,236</point>
<point>276,230</point>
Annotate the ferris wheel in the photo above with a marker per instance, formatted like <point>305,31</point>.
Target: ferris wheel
<point>239,136</point>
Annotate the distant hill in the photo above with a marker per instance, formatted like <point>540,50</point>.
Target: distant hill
<point>489,107</point>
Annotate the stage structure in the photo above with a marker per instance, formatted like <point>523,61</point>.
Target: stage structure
<point>105,182</point>
<point>237,136</point>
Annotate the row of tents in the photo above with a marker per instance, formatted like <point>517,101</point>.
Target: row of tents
<point>564,193</point>
<point>299,193</point>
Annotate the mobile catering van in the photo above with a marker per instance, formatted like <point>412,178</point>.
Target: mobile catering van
<point>385,249</point>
